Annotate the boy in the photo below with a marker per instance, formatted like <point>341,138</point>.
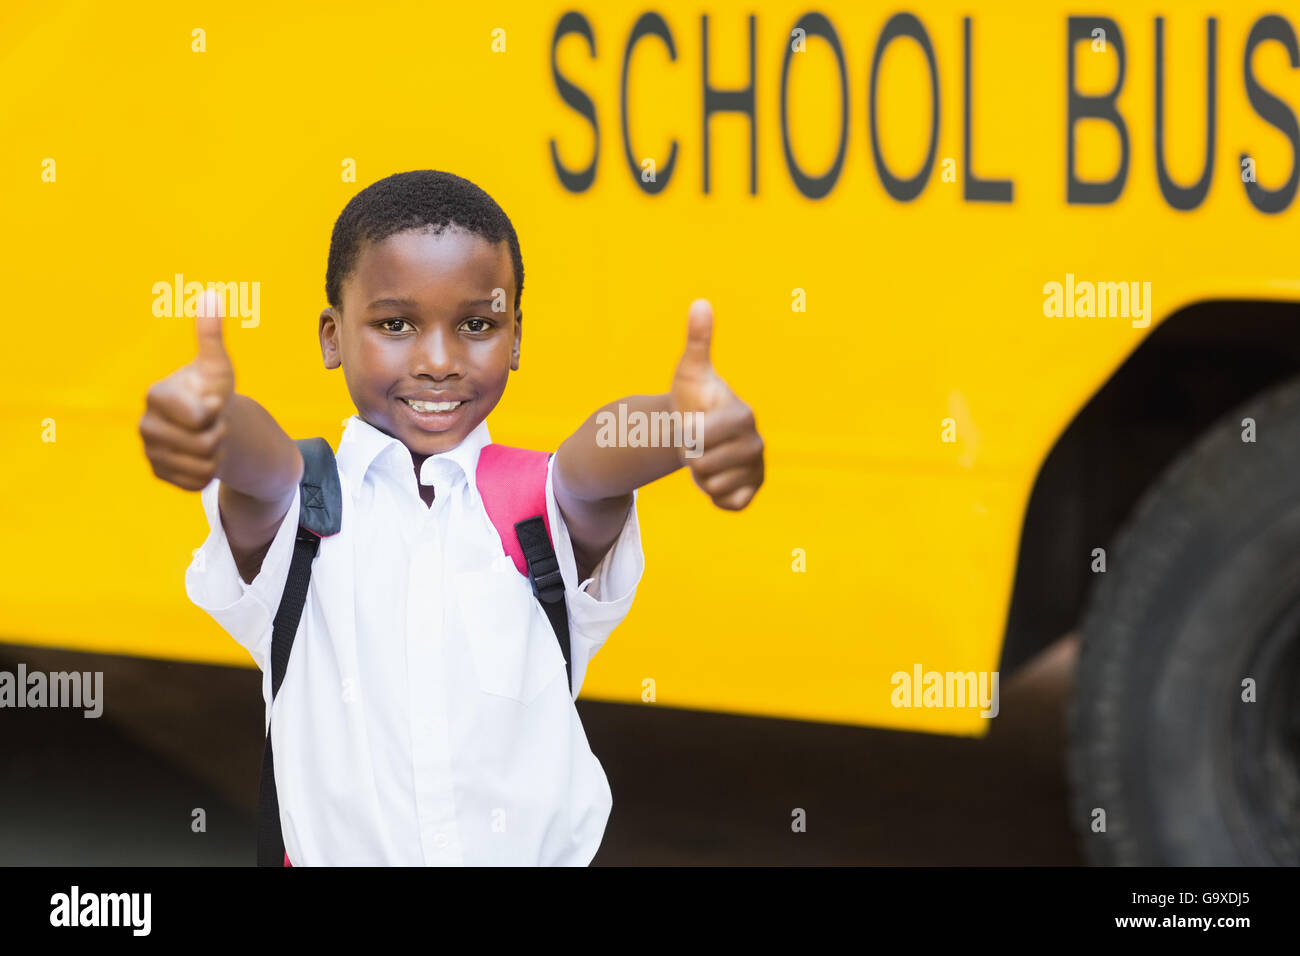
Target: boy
<point>423,717</point>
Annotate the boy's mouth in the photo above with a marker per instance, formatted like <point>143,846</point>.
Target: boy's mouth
<point>434,416</point>
<point>432,406</point>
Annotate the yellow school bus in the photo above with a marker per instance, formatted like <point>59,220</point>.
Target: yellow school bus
<point>1011,287</point>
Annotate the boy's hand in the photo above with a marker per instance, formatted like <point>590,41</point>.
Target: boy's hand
<point>184,427</point>
<point>730,469</point>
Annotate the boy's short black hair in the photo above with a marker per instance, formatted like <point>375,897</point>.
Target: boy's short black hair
<point>421,198</point>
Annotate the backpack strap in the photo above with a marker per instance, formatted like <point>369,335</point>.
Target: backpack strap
<point>512,484</point>
<point>320,514</point>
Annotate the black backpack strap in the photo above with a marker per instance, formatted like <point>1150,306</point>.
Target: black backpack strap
<point>320,514</point>
<point>508,499</point>
<point>548,584</point>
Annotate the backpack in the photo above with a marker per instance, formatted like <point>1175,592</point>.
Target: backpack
<point>512,484</point>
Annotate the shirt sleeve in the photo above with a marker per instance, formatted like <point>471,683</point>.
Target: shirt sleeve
<point>597,605</point>
<point>212,582</point>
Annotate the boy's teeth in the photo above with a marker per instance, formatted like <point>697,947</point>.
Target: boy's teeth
<point>431,406</point>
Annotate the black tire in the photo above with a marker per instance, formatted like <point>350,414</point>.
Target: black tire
<point>1201,591</point>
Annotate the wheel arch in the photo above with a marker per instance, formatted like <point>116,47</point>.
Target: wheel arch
<point>1198,365</point>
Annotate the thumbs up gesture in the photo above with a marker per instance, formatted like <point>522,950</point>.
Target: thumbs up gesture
<point>184,426</point>
<point>729,468</point>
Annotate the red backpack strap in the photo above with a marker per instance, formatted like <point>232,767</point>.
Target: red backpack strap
<point>512,484</point>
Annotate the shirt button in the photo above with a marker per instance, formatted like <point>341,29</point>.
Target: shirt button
<point>440,840</point>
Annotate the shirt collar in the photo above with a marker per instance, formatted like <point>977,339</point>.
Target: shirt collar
<point>364,445</point>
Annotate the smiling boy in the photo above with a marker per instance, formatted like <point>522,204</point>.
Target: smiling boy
<point>423,718</point>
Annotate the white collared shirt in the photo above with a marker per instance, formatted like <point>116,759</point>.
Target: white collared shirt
<point>423,718</point>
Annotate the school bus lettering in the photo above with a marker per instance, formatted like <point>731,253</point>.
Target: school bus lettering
<point>1084,36</point>
<point>1272,109</point>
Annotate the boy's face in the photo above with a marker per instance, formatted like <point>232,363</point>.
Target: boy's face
<point>417,323</point>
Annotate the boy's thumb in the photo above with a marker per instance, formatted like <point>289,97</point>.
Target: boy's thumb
<point>699,333</point>
<point>208,325</point>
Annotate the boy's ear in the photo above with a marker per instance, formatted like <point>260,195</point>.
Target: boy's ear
<point>519,335</point>
<point>329,338</point>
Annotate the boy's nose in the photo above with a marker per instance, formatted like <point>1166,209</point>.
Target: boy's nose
<point>436,353</point>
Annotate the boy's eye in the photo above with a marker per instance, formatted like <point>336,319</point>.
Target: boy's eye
<point>482,325</point>
<point>386,323</point>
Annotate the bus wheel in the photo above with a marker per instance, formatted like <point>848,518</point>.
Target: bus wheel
<point>1185,711</point>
